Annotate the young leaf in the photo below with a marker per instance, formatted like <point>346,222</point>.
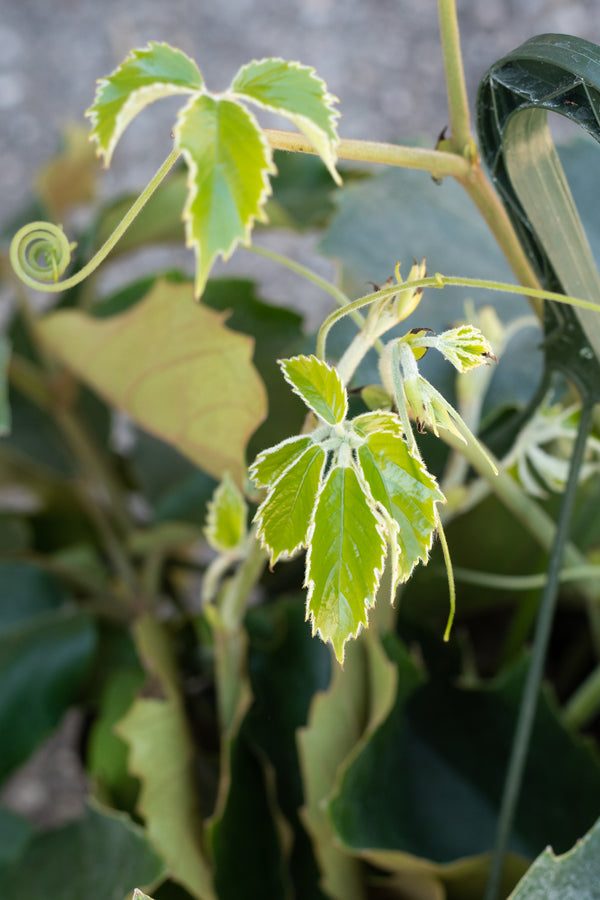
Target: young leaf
<point>346,550</point>
<point>319,385</point>
<point>227,516</point>
<point>297,93</point>
<point>378,420</point>
<point>284,516</point>
<point>407,491</point>
<point>272,463</point>
<point>229,162</point>
<point>156,71</point>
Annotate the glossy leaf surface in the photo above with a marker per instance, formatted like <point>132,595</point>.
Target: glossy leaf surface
<point>175,368</point>
<point>100,855</point>
<point>229,163</point>
<point>155,71</point>
<point>345,559</point>
<point>319,385</point>
<point>297,93</point>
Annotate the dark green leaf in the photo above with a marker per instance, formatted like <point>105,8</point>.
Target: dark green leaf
<point>27,591</point>
<point>42,663</point>
<point>103,855</point>
<point>15,834</point>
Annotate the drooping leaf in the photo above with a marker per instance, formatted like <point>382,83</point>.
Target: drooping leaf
<point>286,667</point>
<point>407,491</point>
<point>319,385</point>
<point>357,700</point>
<point>229,163</point>
<point>175,368</point>
<point>440,756</point>
<point>270,465</point>
<point>284,517</point>
<point>297,93</point>
<point>100,855</point>
<point>227,516</point>
<point>346,550</point>
<point>574,875</point>
<point>4,403</point>
<point>162,756</point>
<point>155,71</point>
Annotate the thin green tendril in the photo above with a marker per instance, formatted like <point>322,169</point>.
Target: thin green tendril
<point>40,252</point>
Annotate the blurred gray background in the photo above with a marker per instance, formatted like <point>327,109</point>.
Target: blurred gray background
<point>380,57</point>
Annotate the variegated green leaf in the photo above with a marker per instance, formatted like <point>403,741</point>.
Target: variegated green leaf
<point>272,463</point>
<point>284,516</point>
<point>297,93</point>
<point>319,385</point>
<point>229,163</point>
<point>156,71</point>
<point>346,551</point>
<point>227,516</point>
<point>406,491</point>
<point>378,420</point>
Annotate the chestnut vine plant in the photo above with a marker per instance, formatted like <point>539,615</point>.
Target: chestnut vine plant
<point>352,490</point>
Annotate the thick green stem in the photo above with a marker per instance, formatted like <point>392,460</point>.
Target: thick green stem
<point>528,706</point>
<point>437,162</point>
<point>460,141</point>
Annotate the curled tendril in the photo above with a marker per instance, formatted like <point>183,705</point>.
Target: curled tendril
<point>40,252</point>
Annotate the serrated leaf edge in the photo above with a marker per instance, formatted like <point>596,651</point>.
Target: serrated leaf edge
<point>269,169</point>
<point>330,158</point>
<point>213,506</point>
<point>309,583</point>
<point>124,117</point>
<point>258,519</point>
<point>265,453</point>
<point>282,365</point>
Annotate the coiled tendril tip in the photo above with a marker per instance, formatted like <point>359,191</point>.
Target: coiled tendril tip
<point>39,253</point>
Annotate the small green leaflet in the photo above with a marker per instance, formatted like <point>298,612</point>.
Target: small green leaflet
<point>297,93</point>
<point>272,463</point>
<point>407,491</point>
<point>227,516</point>
<point>319,385</point>
<point>345,559</point>
<point>156,71</point>
<point>284,517</point>
<point>229,163</point>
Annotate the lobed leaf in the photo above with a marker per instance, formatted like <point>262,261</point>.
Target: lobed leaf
<point>175,368</point>
<point>155,71</point>
<point>406,491</point>
<point>319,385</point>
<point>227,515</point>
<point>270,465</point>
<point>283,518</point>
<point>297,93</point>
<point>346,550</point>
<point>229,163</point>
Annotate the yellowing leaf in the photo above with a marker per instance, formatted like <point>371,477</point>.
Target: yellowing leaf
<point>297,93</point>
<point>174,367</point>
<point>229,162</point>
<point>162,756</point>
<point>345,559</point>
